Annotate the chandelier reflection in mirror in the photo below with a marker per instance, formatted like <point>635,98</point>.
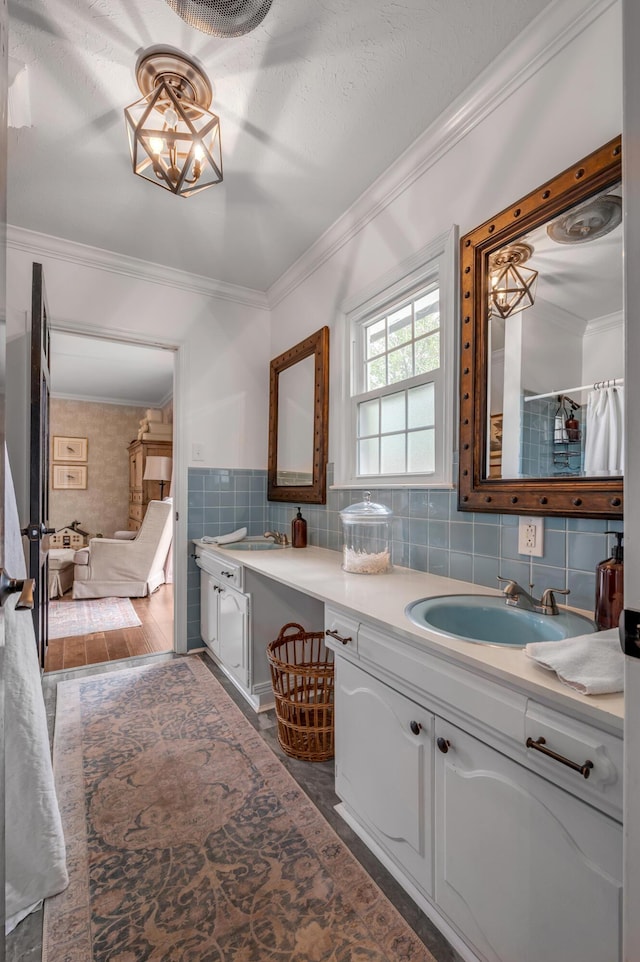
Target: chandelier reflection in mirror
<point>512,286</point>
<point>173,137</point>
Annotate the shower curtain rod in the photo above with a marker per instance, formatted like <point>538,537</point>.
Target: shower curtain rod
<point>608,382</point>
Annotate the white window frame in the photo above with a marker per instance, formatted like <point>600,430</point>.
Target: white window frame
<point>436,261</point>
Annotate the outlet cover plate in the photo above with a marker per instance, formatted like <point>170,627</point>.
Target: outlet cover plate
<point>531,536</point>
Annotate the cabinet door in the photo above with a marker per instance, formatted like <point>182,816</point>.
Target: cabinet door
<point>384,768</point>
<point>209,604</point>
<point>526,871</point>
<point>233,633</point>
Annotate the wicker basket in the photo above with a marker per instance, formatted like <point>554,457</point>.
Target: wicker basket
<point>302,679</point>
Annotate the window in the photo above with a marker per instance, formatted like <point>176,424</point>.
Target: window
<point>400,400</point>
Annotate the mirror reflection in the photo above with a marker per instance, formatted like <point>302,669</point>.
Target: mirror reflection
<point>295,424</point>
<point>299,421</point>
<point>556,347</point>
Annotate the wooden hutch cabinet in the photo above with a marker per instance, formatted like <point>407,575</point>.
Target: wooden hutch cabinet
<point>141,491</point>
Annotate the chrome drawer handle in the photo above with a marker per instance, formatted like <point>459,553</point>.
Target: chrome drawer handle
<point>538,745</point>
<point>334,634</point>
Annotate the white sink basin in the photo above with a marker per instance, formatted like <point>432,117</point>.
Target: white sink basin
<point>488,620</point>
<point>253,544</point>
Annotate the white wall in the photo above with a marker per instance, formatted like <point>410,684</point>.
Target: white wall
<point>226,345</point>
<point>561,113</point>
<point>603,353</point>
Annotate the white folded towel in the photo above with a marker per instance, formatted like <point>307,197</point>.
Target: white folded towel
<point>238,535</point>
<point>592,664</point>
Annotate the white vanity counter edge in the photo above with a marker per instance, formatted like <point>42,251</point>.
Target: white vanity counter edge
<point>381,600</point>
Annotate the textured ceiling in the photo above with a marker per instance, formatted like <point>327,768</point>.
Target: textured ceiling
<point>314,105</point>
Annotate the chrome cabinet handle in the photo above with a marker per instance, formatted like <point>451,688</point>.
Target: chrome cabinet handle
<point>539,746</point>
<point>334,634</point>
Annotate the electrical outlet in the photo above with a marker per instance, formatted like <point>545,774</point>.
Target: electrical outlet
<point>531,536</point>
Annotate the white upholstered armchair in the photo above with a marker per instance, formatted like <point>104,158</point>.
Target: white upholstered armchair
<point>126,568</point>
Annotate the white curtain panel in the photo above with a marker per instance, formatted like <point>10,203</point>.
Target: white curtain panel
<point>604,449</point>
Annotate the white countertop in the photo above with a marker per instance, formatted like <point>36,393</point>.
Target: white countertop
<point>381,599</point>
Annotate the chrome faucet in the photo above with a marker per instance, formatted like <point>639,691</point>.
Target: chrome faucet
<point>278,536</point>
<point>518,597</point>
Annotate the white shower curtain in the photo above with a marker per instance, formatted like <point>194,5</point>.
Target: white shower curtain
<point>604,448</point>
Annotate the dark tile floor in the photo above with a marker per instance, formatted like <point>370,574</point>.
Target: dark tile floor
<point>316,779</point>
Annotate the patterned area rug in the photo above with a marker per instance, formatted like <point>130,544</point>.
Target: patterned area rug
<point>68,618</point>
<point>188,840</point>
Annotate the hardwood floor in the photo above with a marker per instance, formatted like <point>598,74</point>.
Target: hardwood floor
<point>154,635</point>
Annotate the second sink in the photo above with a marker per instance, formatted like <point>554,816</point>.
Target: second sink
<point>253,544</point>
<point>486,619</point>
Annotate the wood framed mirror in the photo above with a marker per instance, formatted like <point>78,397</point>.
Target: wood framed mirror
<point>542,348</point>
<point>299,422</point>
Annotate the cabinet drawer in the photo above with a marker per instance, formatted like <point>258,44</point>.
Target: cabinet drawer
<point>343,628</point>
<point>579,743</point>
<point>136,511</point>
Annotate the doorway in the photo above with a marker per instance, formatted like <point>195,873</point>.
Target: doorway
<point>111,430</point>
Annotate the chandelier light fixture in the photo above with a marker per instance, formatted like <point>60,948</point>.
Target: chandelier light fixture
<point>174,139</point>
<point>511,286</point>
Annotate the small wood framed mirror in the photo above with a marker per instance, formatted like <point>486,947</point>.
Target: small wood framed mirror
<point>299,422</point>
<point>542,349</point>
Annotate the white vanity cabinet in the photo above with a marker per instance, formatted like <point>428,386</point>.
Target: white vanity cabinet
<point>240,613</point>
<point>224,617</point>
<point>384,767</point>
<point>509,850</point>
<point>524,869</point>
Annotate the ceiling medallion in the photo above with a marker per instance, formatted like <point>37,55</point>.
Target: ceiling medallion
<point>588,222</point>
<point>222,18</point>
<point>173,137</point>
<point>512,286</point>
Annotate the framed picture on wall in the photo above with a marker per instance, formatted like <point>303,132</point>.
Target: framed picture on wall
<point>70,449</point>
<point>69,476</point>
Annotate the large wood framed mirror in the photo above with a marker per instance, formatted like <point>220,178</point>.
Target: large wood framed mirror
<point>542,349</point>
<point>299,422</point>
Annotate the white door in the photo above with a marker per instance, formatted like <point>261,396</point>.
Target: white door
<point>233,617</point>
<point>384,763</point>
<point>528,872</point>
<point>631,191</point>
<point>209,608</point>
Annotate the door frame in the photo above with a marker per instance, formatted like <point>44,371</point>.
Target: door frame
<point>631,193</point>
<point>179,350</point>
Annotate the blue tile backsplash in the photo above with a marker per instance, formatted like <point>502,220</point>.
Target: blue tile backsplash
<point>429,534</point>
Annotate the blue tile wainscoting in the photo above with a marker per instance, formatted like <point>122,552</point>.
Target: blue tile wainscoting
<point>429,534</point>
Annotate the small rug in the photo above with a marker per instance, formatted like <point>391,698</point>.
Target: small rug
<point>68,618</point>
<point>188,840</point>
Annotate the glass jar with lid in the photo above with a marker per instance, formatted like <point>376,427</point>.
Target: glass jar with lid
<point>366,536</point>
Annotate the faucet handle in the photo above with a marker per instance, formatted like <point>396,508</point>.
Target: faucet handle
<point>548,600</point>
<point>509,583</point>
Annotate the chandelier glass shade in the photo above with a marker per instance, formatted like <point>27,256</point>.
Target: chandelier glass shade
<point>174,139</point>
<point>511,286</point>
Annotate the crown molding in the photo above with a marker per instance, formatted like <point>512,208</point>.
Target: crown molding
<point>555,27</point>
<point>120,402</point>
<point>59,248</point>
<point>608,322</point>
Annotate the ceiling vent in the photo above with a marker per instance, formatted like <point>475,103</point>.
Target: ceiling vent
<point>222,18</point>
